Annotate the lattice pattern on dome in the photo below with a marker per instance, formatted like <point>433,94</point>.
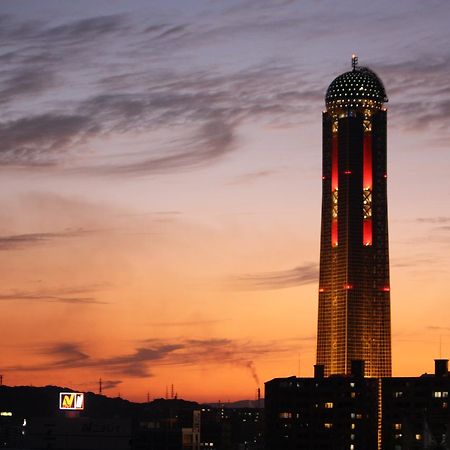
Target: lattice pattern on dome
<point>358,89</point>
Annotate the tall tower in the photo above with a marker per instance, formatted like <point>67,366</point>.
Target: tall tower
<point>354,297</point>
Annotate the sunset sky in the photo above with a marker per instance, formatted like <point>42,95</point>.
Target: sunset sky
<point>160,187</point>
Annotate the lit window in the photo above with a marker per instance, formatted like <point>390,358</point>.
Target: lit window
<point>445,394</point>
<point>353,426</point>
<point>418,437</point>
<point>398,435</point>
<point>397,426</point>
<point>328,405</point>
<point>398,394</point>
<point>285,415</point>
<point>328,425</point>
<point>437,394</point>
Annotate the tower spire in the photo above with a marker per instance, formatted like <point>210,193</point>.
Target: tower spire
<point>354,61</point>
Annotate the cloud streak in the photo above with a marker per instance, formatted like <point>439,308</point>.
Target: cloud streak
<point>213,141</point>
<point>434,220</point>
<point>66,296</point>
<point>120,101</point>
<point>152,354</point>
<point>43,139</point>
<point>298,276</point>
<point>24,241</point>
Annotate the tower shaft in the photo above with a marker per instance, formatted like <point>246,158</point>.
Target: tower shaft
<point>354,292</point>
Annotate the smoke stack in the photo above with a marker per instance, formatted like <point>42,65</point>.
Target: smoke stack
<point>441,367</point>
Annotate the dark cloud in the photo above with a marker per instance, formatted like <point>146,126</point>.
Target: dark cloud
<point>43,139</point>
<point>213,105</point>
<point>65,354</point>
<point>25,82</point>
<point>136,364</point>
<point>71,356</point>
<point>110,384</point>
<point>86,29</point>
<point>13,31</point>
<point>127,97</point>
<point>127,101</point>
<point>22,241</point>
<point>155,353</point>
<point>420,89</point>
<point>298,276</point>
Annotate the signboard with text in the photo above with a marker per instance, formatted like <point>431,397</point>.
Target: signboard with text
<point>72,401</point>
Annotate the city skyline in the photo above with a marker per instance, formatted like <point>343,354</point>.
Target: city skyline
<point>161,185</point>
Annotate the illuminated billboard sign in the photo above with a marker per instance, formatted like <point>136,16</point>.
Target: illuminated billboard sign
<point>71,401</point>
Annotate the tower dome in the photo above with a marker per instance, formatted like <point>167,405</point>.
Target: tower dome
<point>359,89</point>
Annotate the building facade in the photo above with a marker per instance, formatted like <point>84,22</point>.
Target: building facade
<point>357,413</point>
<point>321,413</point>
<point>354,291</point>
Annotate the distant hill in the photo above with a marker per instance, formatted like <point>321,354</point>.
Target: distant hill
<point>29,401</point>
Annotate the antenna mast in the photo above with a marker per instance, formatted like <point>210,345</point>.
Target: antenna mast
<point>354,61</point>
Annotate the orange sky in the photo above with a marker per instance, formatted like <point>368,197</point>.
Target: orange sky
<point>160,210</point>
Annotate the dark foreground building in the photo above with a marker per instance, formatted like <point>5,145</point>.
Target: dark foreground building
<point>356,413</point>
<point>354,298</point>
<point>333,413</point>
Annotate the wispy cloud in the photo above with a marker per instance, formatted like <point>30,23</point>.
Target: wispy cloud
<point>42,139</point>
<point>214,139</point>
<point>251,177</point>
<point>70,295</point>
<point>22,241</point>
<point>189,323</point>
<point>434,220</point>
<point>120,101</point>
<point>281,279</point>
<point>86,29</point>
<point>436,328</point>
<point>24,82</point>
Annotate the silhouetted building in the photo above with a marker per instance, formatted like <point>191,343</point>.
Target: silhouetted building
<point>337,412</point>
<point>232,428</point>
<point>416,411</point>
<point>354,298</point>
<point>357,413</point>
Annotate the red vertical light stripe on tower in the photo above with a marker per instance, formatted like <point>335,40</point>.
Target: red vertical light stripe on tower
<point>367,189</point>
<point>367,178</point>
<point>334,190</point>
